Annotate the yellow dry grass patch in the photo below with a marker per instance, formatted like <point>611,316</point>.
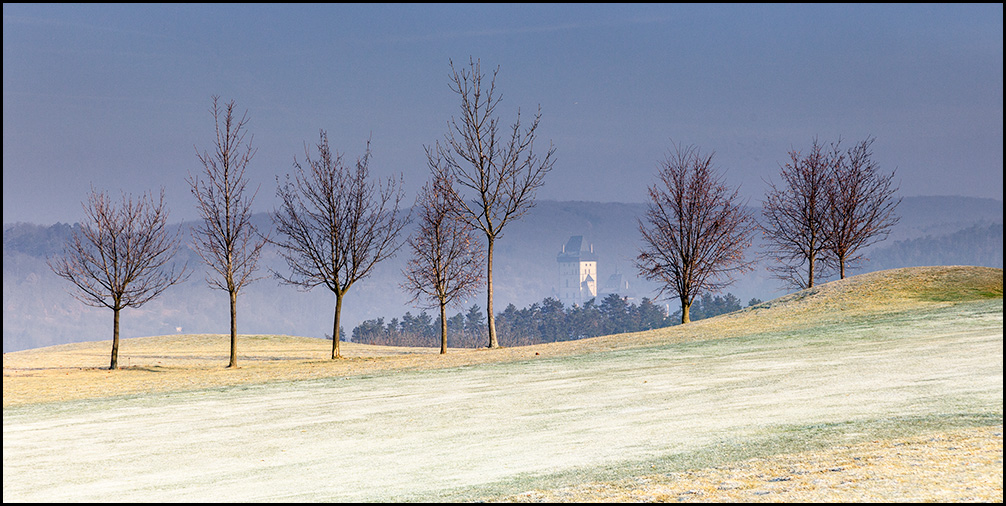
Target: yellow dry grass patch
<point>963,465</point>
<point>189,362</point>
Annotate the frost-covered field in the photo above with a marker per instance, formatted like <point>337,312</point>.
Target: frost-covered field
<point>495,429</point>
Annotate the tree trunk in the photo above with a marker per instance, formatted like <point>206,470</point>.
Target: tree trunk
<point>810,271</point>
<point>685,307</point>
<point>443,328</point>
<point>335,327</point>
<point>841,267</point>
<point>234,329</point>
<point>490,316</point>
<point>115,341</point>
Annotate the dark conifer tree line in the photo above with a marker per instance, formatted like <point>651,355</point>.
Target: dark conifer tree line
<point>542,322</point>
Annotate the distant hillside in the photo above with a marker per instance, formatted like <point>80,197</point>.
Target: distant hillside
<point>979,244</point>
<point>939,215</point>
<point>39,312</point>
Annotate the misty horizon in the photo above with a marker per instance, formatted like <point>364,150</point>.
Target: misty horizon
<point>39,311</point>
<point>176,221</point>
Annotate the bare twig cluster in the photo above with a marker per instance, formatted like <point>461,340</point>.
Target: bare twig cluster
<point>120,256</point>
<point>446,263</point>
<point>226,239</point>
<point>497,172</point>
<point>795,215</point>
<point>696,230</point>
<point>861,205</point>
<point>830,205</point>
<point>335,224</point>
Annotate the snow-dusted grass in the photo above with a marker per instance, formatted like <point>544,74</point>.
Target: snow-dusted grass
<point>500,428</point>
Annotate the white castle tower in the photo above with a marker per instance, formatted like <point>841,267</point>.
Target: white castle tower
<point>577,272</point>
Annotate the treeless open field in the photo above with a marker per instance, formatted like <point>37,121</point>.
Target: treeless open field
<point>850,375</point>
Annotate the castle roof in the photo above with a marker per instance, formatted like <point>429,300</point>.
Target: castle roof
<point>576,250</point>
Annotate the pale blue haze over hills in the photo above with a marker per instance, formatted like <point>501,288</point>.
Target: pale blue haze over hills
<point>39,312</point>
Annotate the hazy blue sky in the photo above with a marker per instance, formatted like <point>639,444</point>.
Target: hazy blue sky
<point>116,97</point>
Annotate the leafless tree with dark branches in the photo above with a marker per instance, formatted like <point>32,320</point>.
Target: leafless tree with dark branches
<point>226,239</point>
<point>861,205</point>
<point>119,258</point>
<point>497,171</point>
<point>446,263</point>
<point>696,230</point>
<point>335,224</point>
<point>795,216</point>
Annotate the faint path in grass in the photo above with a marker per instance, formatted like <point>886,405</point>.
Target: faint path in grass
<point>454,433</point>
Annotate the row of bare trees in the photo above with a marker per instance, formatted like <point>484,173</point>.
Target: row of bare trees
<point>830,205</point>
<point>334,223</point>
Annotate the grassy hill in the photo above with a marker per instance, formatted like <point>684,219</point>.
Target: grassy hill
<point>876,357</point>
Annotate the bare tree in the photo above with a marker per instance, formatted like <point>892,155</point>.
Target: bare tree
<point>861,205</point>
<point>696,230</point>
<point>795,216</point>
<point>336,224</point>
<point>497,172</point>
<point>226,239</point>
<point>446,263</point>
<point>119,256</point>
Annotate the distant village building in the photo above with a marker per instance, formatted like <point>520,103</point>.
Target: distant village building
<point>577,272</point>
<point>616,284</point>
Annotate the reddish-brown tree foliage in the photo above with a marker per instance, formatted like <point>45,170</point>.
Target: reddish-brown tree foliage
<point>861,205</point>
<point>335,224</point>
<point>696,231</point>
<point>795,216</point>
<point>497,172</point>
<point>119,257</point>
<point>446,263</point>
<point>226,240</point>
